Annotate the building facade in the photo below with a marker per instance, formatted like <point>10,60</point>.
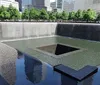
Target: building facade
<point>39,4</point>
<point>53,5</point>
<point>63,5</point>
<point>24,4</point>
<point>20,4</point>
<point>6,3</point>
<point>86,4</point>
<point>68,6</point>
<point>59,5</point>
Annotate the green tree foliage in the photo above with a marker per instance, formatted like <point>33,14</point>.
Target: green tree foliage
<point>37,14</point>
<point>71,16</point>
<point>92,14</point>
<point>79,15</point>
<point>2,8</point>
<point>34,14</point>
<point>25,14</point>
<point>17,14</point>
<point>64,15</point>
<point>52,16</point>
<point>58,16</point>
<point>44,15</point>
<point>89,15</point>
<point>84,15</point>
<point>4,15</point>
<point>98,17</point>
<point>14,13</point>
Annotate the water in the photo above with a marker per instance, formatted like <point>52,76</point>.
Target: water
<point>58,49</point>
<point>31,71</point>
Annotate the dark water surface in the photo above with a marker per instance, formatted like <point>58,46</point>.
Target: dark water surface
<point>58,49</point>
<point>31,71</point>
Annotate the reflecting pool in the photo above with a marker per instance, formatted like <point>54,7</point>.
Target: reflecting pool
<point>31,71</point>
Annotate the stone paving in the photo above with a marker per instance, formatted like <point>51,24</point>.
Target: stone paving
<point>8,57</point>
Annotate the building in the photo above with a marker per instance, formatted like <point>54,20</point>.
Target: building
<point>63,5</point>
<point>59,5</point>
<point>20,4</point>
<point>24,4</point>
<point>53,5</point>
<point>39,4</point>
<point>68,6</point>
<point>86,4</point>
<point>6,3</point>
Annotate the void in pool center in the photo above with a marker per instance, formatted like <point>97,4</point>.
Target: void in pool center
<point>57,49</point>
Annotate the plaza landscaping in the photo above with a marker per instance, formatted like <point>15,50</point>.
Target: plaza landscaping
<point>33,14</point>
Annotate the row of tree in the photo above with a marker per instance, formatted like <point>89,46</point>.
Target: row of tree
<point>35,14</point>
<point>12,13</point>
<point>9,13</point>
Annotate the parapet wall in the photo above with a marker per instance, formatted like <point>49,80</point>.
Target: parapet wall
<point>37,29</point>
<point>79,30</point>
<point>26,29</point>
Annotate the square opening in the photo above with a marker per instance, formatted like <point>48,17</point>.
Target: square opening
<point>57,49</point>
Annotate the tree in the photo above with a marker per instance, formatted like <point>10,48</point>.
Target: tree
<point>98,17</point>
<point>89,15</point>
<point>25,14</point>
<point>44,15</point>
<point>71,16</point>
<point>84,15</point>
<point>58,16</point>
<point>34,14</point>
<point>4,15</point>
<point>52,16</point>
<point>14,13</point>
<point>64,15</point>
<point>37,14</point>
<point>79,15</point>
<point>2,8</point>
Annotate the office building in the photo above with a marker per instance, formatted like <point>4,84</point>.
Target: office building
<point>63,5</point>
<point>39,4</point>
<point>59,5</point>
<point>20,4</point>
<point>68,6</point>
<point>53,5</point>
